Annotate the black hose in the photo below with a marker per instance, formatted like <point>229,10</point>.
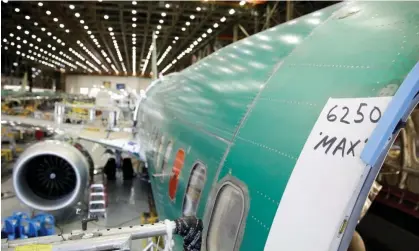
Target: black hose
<point>190,228</point>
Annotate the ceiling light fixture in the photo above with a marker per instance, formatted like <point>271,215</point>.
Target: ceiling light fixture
<point>18,27</point>
<point>27,17</point>
<point>134,2</point>
<point>17,10</point>
<point>82,21</point>
<point>134,25</point>
<point>48,12</point>
<point>134,12</point>
<point>215,25</point>
<point>183,29</point>
<point>192,17</point>
<point>223,19</point>
<point>71,6</point>
<point>55,19</point>
<point>67,30</point>
<point>231,11</point>
<point>163,14</point>
<point>106,17</point>
<point>188,23</point>
<point>42,29</point>
<point>198,8</point>
<point>77,14</point>
<point>167,6</point>
<point>161,21</point>
<point>61,25</point>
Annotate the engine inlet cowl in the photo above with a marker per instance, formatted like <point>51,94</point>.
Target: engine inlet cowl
<point>51,175</point>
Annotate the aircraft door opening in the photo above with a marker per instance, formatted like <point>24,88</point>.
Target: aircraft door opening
<point>394,139</point>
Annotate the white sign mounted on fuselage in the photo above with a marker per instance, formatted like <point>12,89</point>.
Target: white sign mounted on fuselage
<point>327,174</point>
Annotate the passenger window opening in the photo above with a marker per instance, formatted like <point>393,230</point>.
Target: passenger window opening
<point>194,189</point>
<point>226,219</point>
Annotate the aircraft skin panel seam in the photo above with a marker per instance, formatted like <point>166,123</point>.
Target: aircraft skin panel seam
<point>208,211</point>
<point>254,101</point>
<point>197,127</point>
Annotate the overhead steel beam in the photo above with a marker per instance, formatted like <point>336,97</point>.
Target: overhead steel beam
<point>290,10</point>
<point>256,25</point>
<point>243,30</point>
<point>269,12</point>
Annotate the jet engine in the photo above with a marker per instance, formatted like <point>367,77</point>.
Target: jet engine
<point>52,175</point>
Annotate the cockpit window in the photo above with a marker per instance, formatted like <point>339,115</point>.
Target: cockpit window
<point>193,191</point>
<point>226,219</point>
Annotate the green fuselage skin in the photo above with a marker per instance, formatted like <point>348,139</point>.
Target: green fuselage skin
<point>246,110</point>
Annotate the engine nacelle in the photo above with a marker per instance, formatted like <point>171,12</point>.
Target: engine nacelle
<point>52,175</point>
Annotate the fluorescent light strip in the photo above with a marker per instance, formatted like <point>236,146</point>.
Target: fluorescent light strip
<point>77,54</point>
<point>147,59</point>
<point>59,41</point>
<point>134,60</point>
<point>95,41</point>
<point>118,52</point>
<point>114,68</point>
<point>83,66</point>
<point>90,53</point>
<point>43,51</point>
<point>194,43</point>
<point>164,55</point>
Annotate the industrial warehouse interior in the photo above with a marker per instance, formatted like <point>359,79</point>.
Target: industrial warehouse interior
<point>210,125</point>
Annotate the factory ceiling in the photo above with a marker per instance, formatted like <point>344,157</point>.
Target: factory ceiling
<point>115,37</point>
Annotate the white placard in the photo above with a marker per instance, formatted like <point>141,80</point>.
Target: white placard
<point>326,176</point>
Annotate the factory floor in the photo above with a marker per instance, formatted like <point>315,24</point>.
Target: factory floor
<point>127,200</point>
